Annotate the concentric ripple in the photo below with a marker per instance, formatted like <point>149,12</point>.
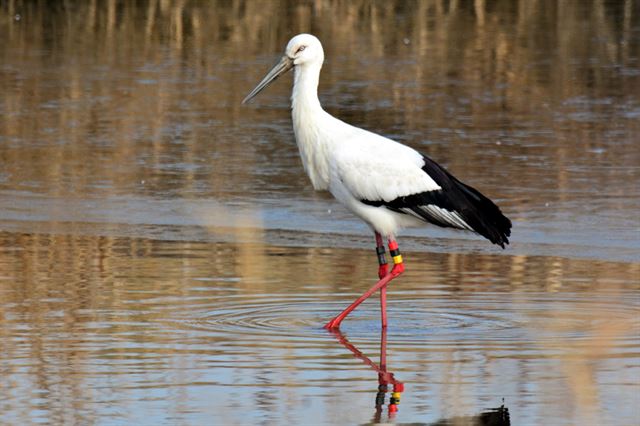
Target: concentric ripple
<point>269,315</point>
<point>416,321</point>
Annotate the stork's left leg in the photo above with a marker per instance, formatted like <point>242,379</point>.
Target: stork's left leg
<point>398,268</point>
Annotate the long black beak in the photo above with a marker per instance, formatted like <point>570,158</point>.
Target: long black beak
<point>280,68</point>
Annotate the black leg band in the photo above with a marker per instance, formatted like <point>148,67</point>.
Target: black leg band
<point>381,258</point>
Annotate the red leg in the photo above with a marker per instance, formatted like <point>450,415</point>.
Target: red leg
<point>383,271</point>
<point>383,350</point>
<point>398,268</point>
<point>383,307</point>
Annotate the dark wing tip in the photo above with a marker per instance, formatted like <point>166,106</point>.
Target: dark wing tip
<point>492,223</point>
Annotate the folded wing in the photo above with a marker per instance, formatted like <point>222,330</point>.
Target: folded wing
<point>413,184</point>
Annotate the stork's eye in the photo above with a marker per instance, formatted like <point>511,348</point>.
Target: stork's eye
<point>300,49</point>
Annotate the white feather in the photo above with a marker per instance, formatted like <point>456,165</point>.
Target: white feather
<point>452,218</point>
<point>377,168</point>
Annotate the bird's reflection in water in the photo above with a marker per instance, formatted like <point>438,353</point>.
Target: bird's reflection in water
<point>388,383</point>
<point>386,380</point>
<point>493,417</point>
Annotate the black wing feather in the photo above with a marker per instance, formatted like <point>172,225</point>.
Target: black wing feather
<point>476,210</point>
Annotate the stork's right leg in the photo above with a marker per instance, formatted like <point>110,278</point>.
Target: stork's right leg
<point>383,271</point>
<point>383,267</point>
<point>398,268</point>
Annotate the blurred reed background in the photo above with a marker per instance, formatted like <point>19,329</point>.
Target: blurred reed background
<point>211,53</point>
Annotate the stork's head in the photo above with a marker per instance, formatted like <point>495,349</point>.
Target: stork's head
<point>302,50</point>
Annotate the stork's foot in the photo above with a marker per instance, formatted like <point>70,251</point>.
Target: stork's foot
<point>334,324</point>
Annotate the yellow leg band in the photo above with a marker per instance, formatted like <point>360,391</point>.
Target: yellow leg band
<point>397,259</point>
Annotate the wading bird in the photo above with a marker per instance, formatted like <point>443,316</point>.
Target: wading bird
<point>385,183</point>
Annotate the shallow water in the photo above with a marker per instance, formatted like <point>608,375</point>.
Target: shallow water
<point>131,330</point>
<point>164,260</point>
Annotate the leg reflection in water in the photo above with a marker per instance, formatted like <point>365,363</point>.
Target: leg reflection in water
<point>386,381</point>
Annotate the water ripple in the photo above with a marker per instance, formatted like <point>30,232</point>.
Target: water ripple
<point>489,320</point>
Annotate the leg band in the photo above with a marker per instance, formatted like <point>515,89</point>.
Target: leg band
<point>395,254</point>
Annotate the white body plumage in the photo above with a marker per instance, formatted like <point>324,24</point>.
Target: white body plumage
<point>353,163</point>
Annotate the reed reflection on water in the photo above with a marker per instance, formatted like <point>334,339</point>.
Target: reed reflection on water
<point>163,258</point>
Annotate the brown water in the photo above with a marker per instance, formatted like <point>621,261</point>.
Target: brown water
<point>164,260</point>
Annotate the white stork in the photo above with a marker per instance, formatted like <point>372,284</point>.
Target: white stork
<point>385,183</point>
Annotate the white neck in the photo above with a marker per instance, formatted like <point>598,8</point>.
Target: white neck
<point>305,88</point>
<point>308,116</point>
